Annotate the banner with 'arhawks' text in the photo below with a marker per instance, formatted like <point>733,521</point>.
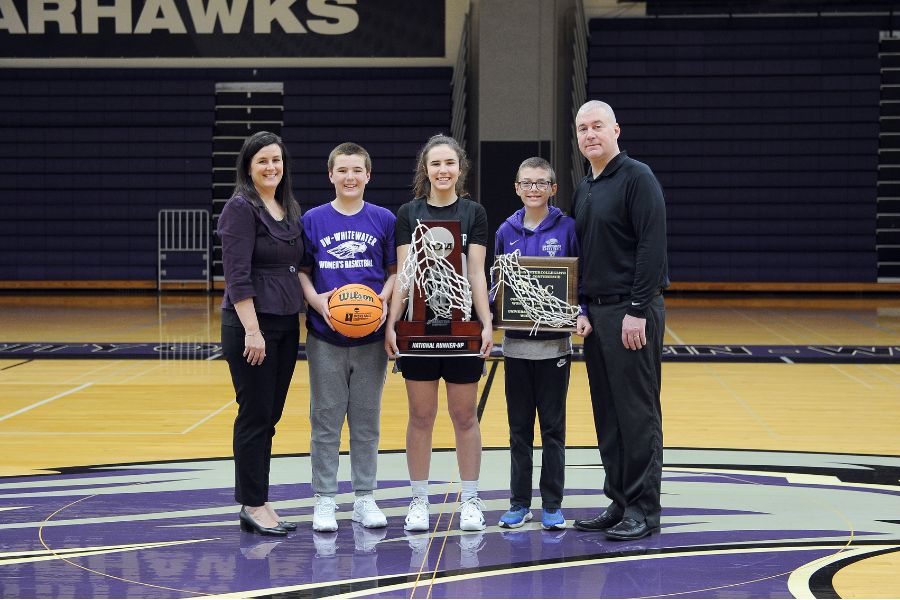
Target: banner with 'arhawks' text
<point>221,28</point>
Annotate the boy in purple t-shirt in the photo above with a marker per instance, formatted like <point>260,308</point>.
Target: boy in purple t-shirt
<point>347,240</point>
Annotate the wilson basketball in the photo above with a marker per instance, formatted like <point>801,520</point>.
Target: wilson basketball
<point>355,310</point>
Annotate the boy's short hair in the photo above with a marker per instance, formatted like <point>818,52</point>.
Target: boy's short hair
<point>536,162</point>
<point>349,149</point>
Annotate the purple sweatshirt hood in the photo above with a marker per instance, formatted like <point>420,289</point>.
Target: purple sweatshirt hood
<point>516,219</point>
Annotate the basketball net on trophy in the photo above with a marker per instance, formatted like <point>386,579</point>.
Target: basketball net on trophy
<point>538,302</point>
<point>438,295</point>
<point>428,272</point>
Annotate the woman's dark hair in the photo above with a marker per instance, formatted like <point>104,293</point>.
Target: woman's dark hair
<point>421,184</point>
<point>244,186</point>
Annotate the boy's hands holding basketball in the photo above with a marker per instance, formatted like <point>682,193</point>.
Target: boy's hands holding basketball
<point>320,304</point>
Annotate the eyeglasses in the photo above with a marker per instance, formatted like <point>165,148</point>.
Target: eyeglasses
<point>540,184</point>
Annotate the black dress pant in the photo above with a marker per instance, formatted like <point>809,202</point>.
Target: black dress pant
<point>260,393</point>
<point>625,386</point>
<point>537,385</point>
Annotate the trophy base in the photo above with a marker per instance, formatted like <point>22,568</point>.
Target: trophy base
<point>462,339</point>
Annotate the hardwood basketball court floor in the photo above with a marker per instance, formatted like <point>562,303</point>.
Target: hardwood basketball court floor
<point>781,477</point>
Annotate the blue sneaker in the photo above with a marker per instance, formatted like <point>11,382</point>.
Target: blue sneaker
<point>515,517</point>
<point>552,519</point>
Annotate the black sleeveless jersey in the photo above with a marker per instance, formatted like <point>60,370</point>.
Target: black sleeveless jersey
<point>471,216</point>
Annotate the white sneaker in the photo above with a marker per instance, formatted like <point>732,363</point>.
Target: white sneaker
<point>417,516</point>
<point>325,544</point>
<point>418,555</point>
<point>470,544</point>
<point>471,517</point>
<point>365,540</point>
<point>323,514</point>
<point>365,511</point>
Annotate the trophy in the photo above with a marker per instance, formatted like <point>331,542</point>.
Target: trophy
<point>535,293</point>
<point>439,300</point>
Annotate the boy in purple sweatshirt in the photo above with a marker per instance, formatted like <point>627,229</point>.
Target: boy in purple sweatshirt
<point>537,366</point>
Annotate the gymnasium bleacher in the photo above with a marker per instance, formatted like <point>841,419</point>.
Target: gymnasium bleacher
<point>92,155</point>
<point>773,136</point>
<point>764,133</point>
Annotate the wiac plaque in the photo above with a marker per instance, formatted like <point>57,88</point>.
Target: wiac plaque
<point>556,275</point>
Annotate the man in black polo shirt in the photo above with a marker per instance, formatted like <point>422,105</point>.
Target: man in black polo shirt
<point>620,218</point>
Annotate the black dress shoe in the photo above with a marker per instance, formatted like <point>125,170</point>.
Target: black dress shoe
<point>629,529</point>
<point>288,525</point>
<point>260,550</point>
<point>249,524</point>
<point>606,520</point>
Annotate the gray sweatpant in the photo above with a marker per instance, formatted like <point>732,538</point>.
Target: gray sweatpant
<point>345,382</point>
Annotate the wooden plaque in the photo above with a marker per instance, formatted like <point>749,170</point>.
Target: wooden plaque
<point>559,274</point>
<point>425,334</point>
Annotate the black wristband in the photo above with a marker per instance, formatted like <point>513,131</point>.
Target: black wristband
<point>634,311</point>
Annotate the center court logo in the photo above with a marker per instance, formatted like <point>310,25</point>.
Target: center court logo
<point>758,515</point>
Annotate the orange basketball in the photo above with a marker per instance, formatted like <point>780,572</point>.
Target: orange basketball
<point>355,310</point>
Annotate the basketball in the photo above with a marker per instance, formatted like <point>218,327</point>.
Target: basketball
<point>355,310</point>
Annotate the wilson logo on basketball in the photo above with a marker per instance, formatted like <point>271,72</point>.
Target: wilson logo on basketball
<point>354,295</point>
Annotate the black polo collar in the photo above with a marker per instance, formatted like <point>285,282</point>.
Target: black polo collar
<point>611,167</point>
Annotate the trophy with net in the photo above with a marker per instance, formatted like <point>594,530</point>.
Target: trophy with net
<point>437,321</point>
<point>535,293</point>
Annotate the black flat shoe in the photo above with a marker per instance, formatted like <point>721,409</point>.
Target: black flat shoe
<point>288,525</point>
<point>260,550</point>
<point>250,525</point>
<point>601,523</point>
<point>629,529</point>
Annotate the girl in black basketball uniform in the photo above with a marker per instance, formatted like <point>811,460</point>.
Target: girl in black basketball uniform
<point>439,189</point>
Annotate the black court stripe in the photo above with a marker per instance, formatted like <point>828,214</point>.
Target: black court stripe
<point>821,584</point>
<point>17,364</point>
<point>487,388</point>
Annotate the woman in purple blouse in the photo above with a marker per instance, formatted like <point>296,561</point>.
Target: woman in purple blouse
<point>262,246</point>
